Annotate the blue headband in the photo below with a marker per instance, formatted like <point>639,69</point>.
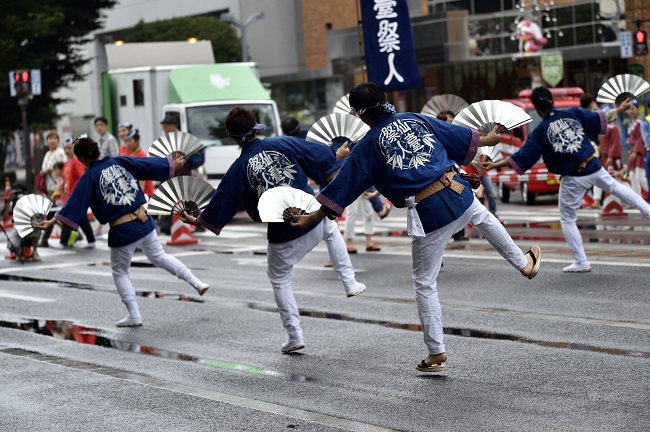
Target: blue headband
<point>294,130</point>
<point>383,105</point>
<point>243,137</point>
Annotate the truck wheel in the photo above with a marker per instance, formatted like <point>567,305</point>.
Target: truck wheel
<point>528,197</point>
<point>504,193</point>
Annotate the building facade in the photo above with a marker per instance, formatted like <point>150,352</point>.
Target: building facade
<point>309,51</point>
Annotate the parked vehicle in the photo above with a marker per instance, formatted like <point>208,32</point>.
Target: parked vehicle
<point>198,96</point>
<point>537,180</point>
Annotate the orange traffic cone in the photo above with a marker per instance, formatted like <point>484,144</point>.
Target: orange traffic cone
<point>612,206</point>
<point>7,222</point>
<point>181,234</point>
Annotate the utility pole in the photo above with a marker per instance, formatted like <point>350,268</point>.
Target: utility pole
<point>29,175</point>
<point>24,84</point>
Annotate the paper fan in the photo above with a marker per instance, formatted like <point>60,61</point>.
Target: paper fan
<point>280,203</point>
<point>337,125</point>
<point>175,142</point>
<point>493,153</point>
<point>621,87</point>
<point>443,102</point>
<point>343,106</point>
<point>178,194</point>
<point>484,115</point>
<point>30,210</point>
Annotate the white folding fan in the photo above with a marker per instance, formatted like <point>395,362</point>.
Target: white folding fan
<point>178,194</point>
<point>484,115</point>
<point>493,153</point>
<point>343,106</point>
<point>173,143</point>
<point>621,87</point>
<point>337,125</point>
<point>30,210</point>
<point>278,204</point>
<point>443,102</point>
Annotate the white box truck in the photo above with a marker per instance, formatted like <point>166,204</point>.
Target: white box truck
<point>199,96</point>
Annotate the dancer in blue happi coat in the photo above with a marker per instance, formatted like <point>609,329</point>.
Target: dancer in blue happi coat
<point>110,188</point>
<point>410,159</point>
<point>262,165</point>
<point>561,139</point>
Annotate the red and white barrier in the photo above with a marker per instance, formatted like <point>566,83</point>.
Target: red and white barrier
<point>181,233</point>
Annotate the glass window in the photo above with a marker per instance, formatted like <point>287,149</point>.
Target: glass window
<point>138,92</point>
<point>207,122</point>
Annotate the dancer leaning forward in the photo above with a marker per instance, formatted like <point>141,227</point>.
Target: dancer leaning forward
<point>110,188</point>
<point>400,156</point>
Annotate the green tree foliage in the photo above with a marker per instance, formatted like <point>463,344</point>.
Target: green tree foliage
<point>46,35</point>
<point>225,43</point>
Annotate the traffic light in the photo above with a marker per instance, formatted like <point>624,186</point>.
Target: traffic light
<point>640,43</point>
<point>23,82</point>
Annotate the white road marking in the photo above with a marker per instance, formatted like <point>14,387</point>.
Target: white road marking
<point>9,295</point>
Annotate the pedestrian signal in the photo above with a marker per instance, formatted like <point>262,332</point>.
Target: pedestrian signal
<point>640,43</point>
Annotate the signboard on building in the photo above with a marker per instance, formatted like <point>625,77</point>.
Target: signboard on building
<point>388,44</point>
<point>626,44</point>
<point>552,68</point>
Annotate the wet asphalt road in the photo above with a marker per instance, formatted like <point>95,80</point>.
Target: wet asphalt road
<point>561,352</point>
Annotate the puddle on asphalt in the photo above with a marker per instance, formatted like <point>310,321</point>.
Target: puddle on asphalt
<point>67,330</point>
<point>66,284</point>
<point>464,332</point>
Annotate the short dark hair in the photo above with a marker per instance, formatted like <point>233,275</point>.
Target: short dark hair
<point>542,98</point>
<point>87,148</point>
<point>58,165</point>
<point>366,95</point>
<point>239,121</point>
<point>586,100</point>
<point>290,125</point>
<point>442,115</point>
<point>101,119</point>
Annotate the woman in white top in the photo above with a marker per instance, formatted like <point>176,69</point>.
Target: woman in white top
<point>54,154</point>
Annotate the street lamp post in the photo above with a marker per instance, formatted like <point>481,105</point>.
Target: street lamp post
<point>230,19</point>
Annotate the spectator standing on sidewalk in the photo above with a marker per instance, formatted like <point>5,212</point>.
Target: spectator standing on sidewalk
<point>636,151</point>
<point>73,169</point>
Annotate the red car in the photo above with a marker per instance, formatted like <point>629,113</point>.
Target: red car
<point>537,180</point>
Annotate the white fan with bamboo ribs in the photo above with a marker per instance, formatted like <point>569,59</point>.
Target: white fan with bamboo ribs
<point>337,125</point>
<point>343,106</point>
<point>621,87</point>
<point>444,102</point>
<point>174,144</point>
<point>30,210</point>
<point>279,204</point>
<point>485,115</point>
<point>180,194</point>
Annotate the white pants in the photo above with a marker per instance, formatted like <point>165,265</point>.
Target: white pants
<point>150,245</point>
<point>361,207</point>
<point>427,259</point>
<point>572,190</point>
<point>283,256</point>
<point>638,180</point>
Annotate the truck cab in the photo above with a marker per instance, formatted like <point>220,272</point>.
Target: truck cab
<point>537,180</point>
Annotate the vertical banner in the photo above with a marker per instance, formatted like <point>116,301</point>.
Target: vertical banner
<point>388,44</point>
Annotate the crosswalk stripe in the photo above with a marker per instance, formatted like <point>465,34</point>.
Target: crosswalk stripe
<point>9,295</point>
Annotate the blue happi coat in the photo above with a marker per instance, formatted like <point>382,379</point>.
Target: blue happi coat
<point>561,139</point>
<point>262,165</point>
<point>110,188</point>
<point>401,155</point>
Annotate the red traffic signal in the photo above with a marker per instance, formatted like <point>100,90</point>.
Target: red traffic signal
<point>23,84</point>
<point>640,43</point>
